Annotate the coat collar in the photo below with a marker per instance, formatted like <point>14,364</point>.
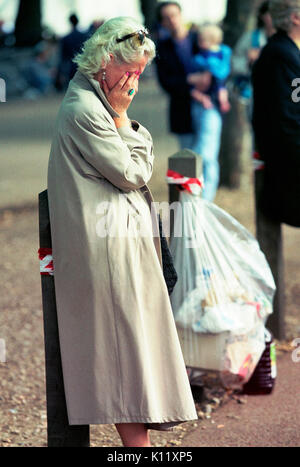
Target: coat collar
<point>96,86</point>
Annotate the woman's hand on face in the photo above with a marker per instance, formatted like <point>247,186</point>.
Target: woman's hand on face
<point>118,96</point>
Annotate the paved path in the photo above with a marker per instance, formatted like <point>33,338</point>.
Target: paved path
<point>262,421</point>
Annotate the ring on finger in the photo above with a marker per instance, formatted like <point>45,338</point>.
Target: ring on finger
<point>131,92</point>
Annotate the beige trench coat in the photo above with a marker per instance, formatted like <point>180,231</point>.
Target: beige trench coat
<point>121,357</point>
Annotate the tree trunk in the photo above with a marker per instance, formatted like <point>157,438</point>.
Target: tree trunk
<point>240,16</point>
<point>28,30</point>
<point>148,8</point>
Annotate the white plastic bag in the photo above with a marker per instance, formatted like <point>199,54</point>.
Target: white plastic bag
<point>224,290</point>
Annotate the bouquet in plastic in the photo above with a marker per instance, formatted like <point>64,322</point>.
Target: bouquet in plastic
<point>225,288</point>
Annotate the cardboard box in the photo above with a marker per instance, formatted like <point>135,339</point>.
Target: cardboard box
<point>205,351</point>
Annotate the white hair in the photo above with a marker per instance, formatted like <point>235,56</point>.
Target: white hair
<point>96,50</point>
<point>281,11</point>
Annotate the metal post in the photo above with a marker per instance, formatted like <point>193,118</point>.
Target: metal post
<point>60,433</point>
<point>188,164</point>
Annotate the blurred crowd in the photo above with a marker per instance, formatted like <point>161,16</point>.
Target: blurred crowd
<point>47,67</point>
<point>194,66</point>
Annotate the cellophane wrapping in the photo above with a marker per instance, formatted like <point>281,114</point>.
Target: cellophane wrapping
<point>224,291</point>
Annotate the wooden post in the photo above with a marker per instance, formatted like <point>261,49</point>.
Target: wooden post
<point>60,433</point>
<point>234,126</point>
<point>188,164</point>
<point>269,236</point>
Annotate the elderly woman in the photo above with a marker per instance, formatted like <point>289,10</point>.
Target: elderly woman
<point>121,357</point>
<point>276,116</point>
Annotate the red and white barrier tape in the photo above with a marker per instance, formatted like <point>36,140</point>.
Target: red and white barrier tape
<point>46,261</point>
<point>192,185</point>
<point>258,163</point>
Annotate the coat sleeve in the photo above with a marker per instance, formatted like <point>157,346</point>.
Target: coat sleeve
<point>124,156</point>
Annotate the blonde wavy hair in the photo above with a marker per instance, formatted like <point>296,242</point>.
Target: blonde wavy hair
<point>211,32</point>
<point>281,11</point>
<point>96,51</point>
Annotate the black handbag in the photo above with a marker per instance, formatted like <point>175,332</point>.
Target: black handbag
<point>169,270</point>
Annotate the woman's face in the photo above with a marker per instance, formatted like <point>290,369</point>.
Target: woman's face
<point>115,71</point>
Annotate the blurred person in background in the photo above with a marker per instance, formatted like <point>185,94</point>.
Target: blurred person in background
<point>208,106</point>
<point>247,51</point>
<point>215,57</point>
<point>69,46</point>
<point>196,99</point>
<point>276,117</point>
<point>39,71</point>
<point>173,64</point>
<point>94,26</point>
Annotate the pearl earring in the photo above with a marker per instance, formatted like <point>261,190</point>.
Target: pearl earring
<point>104,75</point>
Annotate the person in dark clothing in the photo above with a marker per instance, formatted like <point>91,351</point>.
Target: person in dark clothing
<point>70,45</point>
<point>174,55</point>
<point>276,116</point>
